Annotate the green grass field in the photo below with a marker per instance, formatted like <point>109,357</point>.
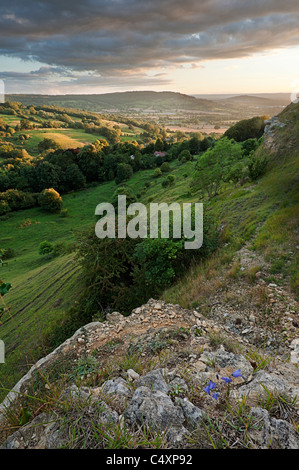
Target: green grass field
<point>66,138</point>
<point>43,289</point>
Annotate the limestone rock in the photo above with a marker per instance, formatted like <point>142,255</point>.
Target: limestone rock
<point>295,351</point>
<point>192,413</point>
<point>116,386</point>
<point>273,433</point>
<point>154,380</point>
<point>155,409</point>
<point>263,382</point>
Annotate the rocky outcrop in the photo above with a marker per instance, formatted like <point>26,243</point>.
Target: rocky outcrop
<point>271,125</point>
<point>189,374</point>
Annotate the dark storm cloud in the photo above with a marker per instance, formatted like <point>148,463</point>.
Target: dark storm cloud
<point>132,36</point>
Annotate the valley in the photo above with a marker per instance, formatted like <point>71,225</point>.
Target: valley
<point>256,213</point>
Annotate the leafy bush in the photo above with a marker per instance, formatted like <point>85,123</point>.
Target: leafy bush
<point>169,181</point>
<point>157,172</point>
<point>13,199</point>
<point>4,207</point>
<point>124,273</point>
<point>247,129</point>
<point>123,191</point>
<point>45,248</point>
<point>185,155</point>
<point>165,167</point>
<point>47,144</point>
<point>215,166</point>
<point>50,200</point>
<point>257,166</point>
<point>7,253</point>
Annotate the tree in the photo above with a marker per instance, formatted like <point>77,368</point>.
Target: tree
<point>247,129</point>
<point>159,145</point>
<point>214,165</point>
<point>73,177</point>
<point>194,145</point>
<point>47,144</point>
<point>50,200</point>
<point>169,181</point>
<point>25,124</point>
<point>249,145</point>
<point>185,155</point>
<point>47,175</point>
<point>124,172</point>
<point>91,158</point>
<point>205,144</point>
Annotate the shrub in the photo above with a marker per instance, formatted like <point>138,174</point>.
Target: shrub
<point>4,207</point>
<point>47,144</point>
<point>257,166</point>
<point>169,181</point>
<point>7,253</point>
<point>45,248</point>
<point>16,200</point>
<point>50,200</point>
<point>122,273</point>
<point>123,191</point>
<point>214,166</point>
<point>247,129</point>
<point>165,167</point>
<point>186,155</point>
<point>157,172</point>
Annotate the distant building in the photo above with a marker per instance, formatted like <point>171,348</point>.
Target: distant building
<point>160,154</point>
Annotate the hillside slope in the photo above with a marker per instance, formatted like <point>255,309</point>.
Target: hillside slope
<point>249,287</point>
<point>163,378</point>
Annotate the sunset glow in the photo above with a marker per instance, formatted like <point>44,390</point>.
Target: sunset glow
<point>99,47</point>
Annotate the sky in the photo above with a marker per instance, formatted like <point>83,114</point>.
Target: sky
<point>186,46</point>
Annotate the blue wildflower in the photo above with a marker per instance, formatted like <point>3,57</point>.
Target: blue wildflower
<point>226,379</point>
<point>215,395</point>
<point>209,387</point>
<point>237,373</point>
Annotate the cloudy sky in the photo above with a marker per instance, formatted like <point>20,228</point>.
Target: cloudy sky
<point>190,46</point>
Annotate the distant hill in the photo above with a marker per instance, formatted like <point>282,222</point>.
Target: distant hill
<point>221,107</point>
<point>135,100</point>
<point>248,99</point>
<point>277,99</point>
